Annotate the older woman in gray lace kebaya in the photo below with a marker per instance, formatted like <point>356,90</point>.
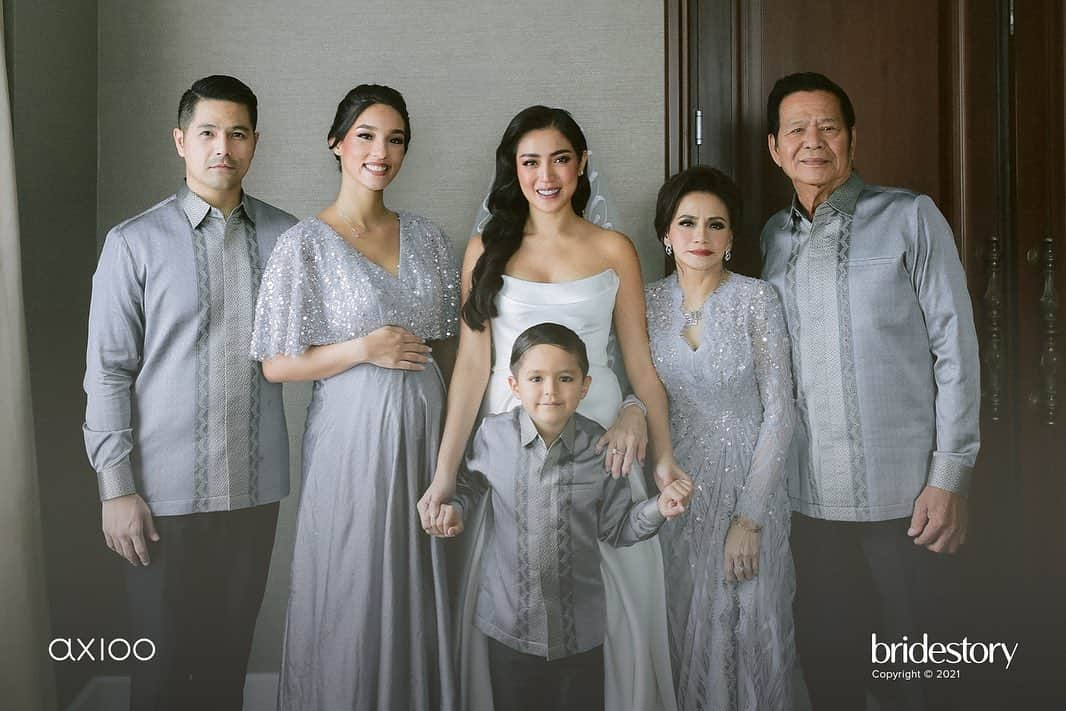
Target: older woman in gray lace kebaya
<point>719,343</point>
<point>352,299</point>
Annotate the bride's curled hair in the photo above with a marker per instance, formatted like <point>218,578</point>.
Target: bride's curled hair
<point>508,208</point>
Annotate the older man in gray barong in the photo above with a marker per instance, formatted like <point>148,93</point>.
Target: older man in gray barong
<point>886,366</point>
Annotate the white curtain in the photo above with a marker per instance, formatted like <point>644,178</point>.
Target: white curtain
<point>26,679</point>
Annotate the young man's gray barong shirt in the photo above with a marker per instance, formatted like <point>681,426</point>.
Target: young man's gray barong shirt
<point>540,591</point>
<point>884,352</point>
<point>176,411</point>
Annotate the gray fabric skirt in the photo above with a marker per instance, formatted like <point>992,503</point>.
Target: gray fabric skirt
<point>368,618</point>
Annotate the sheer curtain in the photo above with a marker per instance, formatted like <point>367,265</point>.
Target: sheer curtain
<point>26,680</point>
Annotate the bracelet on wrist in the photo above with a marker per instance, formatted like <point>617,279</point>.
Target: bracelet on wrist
<point>746,524</point>
<point>634,401</point>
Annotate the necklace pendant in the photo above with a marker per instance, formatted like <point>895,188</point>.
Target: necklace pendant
<point>356,232</point>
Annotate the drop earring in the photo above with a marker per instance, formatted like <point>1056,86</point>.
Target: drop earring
<point>669,249</point>
<point>728,254</point>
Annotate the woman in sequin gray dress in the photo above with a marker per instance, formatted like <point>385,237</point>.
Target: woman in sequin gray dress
<point>719,344</point>
<point>349,299</point>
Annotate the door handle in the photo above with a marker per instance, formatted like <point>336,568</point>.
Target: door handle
<point>1049,358</point>
<point>993,352</point>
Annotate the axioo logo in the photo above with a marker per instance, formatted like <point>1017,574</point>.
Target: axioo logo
<point>926,652</point>
<point>62,649</point>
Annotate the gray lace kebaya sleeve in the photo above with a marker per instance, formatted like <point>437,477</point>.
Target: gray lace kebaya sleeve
<point>773,374</point>
<point>289,315</point>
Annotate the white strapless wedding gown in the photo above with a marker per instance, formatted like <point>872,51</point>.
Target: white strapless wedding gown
<point>636,651</point>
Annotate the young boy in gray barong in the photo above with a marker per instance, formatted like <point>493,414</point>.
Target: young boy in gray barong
<point>540,596</point>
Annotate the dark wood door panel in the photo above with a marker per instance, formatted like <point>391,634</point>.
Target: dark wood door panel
<point>1038,249</point>
<point>887,56</point>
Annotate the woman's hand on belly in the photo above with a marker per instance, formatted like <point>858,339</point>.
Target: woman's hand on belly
<point>394,347</point>
<point>388,347</point>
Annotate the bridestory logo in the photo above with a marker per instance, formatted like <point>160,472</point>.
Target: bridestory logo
<point>62,649</point>
<point>926,652</point>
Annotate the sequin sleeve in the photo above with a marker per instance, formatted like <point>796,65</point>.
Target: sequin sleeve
<point>289,311</point>
<point>448,269</point>
<point>773,374</point>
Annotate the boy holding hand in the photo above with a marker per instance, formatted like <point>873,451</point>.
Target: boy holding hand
<point>540,598</point>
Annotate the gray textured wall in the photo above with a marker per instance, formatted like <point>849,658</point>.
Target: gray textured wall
<point>465,69</point>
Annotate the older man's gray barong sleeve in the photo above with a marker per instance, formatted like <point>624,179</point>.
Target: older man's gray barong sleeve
<point>884,352</point>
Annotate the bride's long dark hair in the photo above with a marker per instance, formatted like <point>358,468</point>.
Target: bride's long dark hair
<point>509,209</point>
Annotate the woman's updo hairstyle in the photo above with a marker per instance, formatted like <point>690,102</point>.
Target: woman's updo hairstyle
<point>508,207</point>
<point>696,179</point>
<point>358,100</point>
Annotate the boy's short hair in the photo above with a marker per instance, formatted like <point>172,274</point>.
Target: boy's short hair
<point>550,334</point>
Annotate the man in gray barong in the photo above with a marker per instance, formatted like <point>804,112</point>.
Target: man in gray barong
<point>187,439</point>
<point>886,366</point>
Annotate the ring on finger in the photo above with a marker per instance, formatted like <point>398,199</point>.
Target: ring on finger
<point>616,450</point>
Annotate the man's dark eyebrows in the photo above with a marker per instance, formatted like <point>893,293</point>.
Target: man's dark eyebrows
<point>238,127</point>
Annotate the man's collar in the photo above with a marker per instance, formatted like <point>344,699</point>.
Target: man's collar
<point>196,208</point>
<point>843,199</point>
<point>529,433</point>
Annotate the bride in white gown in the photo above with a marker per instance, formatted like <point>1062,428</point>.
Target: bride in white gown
<point>538,260</point>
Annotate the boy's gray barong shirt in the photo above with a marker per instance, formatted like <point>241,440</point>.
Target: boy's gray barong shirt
<point>884,352</point>
<point>176,410</point>
<point>540,591</point>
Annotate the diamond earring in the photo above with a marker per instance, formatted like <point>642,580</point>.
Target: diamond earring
<point>728,254</point>
<point>669,249</point>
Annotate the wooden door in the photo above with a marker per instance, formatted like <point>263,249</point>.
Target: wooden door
<point>1035,249</point>
<point>961,100</point>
